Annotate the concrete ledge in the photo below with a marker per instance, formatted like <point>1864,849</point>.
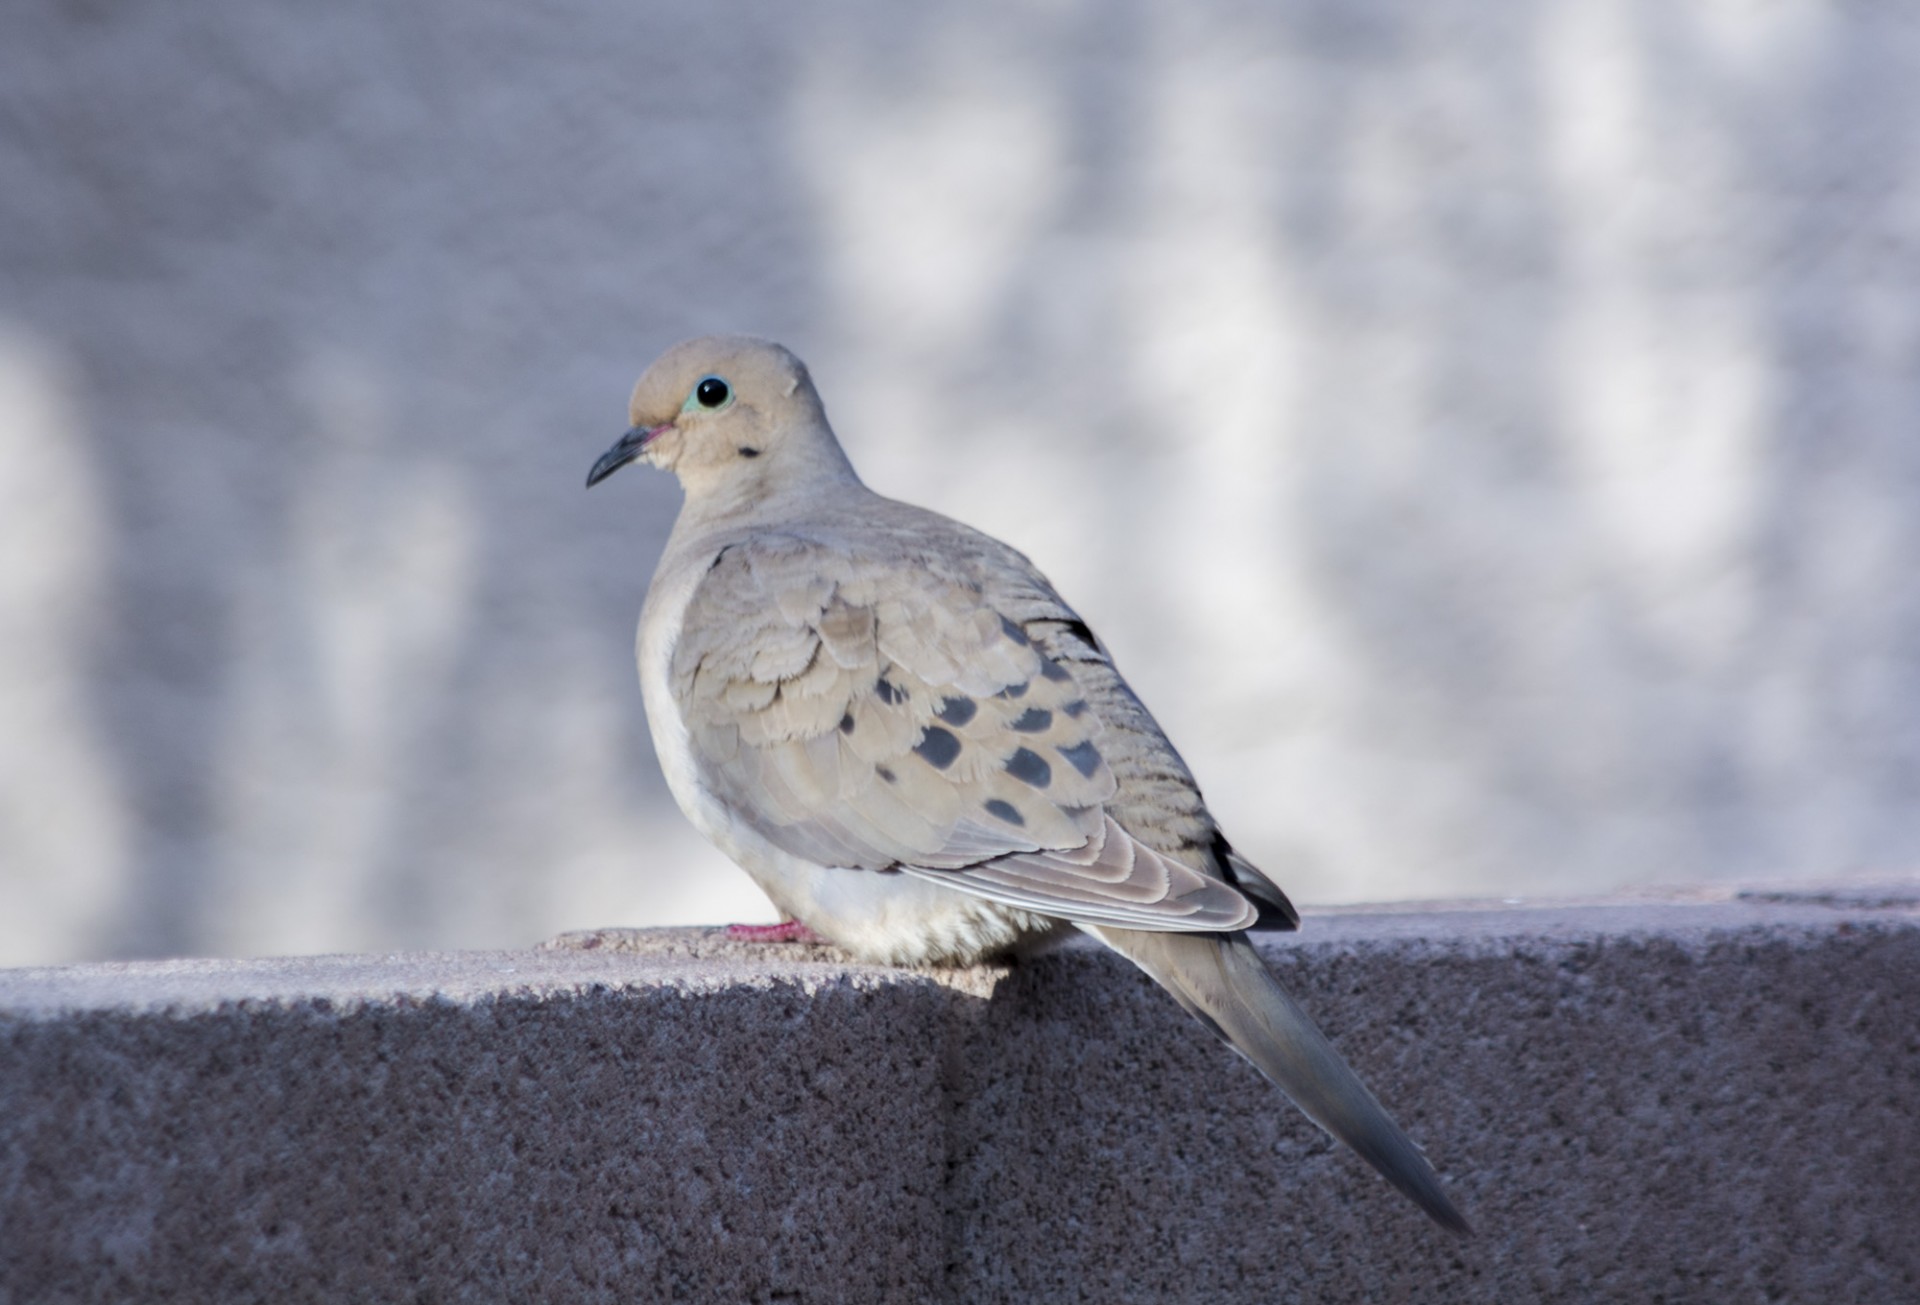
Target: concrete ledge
<point>1707,1101</point>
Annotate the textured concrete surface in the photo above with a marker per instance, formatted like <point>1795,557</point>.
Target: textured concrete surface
<point>1529,384</point>
<point>1704,1101</point>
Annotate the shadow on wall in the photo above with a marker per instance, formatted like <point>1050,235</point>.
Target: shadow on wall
<point>1482,432</point>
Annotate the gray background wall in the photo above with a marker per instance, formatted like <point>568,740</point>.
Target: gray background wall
<point>1484,429</point>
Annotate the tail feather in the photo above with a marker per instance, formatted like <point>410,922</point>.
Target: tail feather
<point>1220,979</point>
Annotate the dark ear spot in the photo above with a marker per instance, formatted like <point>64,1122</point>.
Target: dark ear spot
<point>748,451</point>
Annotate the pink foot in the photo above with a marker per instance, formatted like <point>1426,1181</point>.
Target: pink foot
<point>785,931</point>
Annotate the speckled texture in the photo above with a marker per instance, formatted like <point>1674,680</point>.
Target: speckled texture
<point>598,1136</point>
<point>1707,1101</point>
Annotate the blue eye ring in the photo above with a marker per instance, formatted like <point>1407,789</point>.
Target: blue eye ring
<point>711,393</point>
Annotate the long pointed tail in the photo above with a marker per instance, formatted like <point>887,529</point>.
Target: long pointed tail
<point>1221,979</point>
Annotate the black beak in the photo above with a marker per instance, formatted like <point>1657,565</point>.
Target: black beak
<point>625,450</point>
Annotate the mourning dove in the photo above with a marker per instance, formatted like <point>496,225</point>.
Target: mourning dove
<point>918,750</point>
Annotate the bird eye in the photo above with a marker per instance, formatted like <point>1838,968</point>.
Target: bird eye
<point>712,392</point>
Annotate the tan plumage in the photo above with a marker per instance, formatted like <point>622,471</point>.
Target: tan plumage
<point>864,722</point>
<point>907,738</point>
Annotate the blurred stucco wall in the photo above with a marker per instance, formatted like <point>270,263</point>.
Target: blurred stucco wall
<point>1487,431</point>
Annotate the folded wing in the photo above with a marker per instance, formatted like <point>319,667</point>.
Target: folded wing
<point>882,717</point>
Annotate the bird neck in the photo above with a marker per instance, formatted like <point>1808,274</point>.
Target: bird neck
<point>791,477</point>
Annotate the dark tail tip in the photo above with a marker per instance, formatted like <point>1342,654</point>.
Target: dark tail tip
<point>1448,1216</point>
<point>1398,1160</point>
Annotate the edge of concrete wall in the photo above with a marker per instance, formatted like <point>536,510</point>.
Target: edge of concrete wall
<point>1675,1100</point>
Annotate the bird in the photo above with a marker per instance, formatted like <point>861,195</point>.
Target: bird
<point>919,751</point>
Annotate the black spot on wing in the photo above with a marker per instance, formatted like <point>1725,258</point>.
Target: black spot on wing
<point>1013,691</point>
<point>1005,810</point>
<point>1052,670</point>
<point>1013,632</point>
<point>1083,757</point>
<point>957,711</point>
<point>888,692</point>
<point>846,723</point>
<point>937,747</point>
<point>885,774</point>
<point>1033,720</point>
<point>1028,767</point>
<point>1076,709</point>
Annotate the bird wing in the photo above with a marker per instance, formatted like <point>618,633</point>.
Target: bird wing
<point>878,715</point>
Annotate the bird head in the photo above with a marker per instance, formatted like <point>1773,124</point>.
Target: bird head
<point>726,411</point>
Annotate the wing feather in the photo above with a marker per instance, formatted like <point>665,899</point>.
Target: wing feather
<point>880,716</point>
